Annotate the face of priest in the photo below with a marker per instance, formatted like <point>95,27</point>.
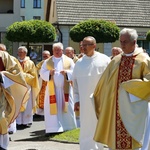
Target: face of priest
<point>80,47</point>
<point>57,52</point>
<point>89,46</point>
<point>127,44</point>
<point>69,51</point>
<point>45,56</point>
<point>21,54</point>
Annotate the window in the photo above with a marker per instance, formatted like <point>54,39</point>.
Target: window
<point>22,3</point>
<point>37,17</point>
<point>36,3</point>
<point>22,18</point>
<point>145,45</point>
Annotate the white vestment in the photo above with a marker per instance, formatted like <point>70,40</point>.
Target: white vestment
<point>26,117</point>
<point>61,121</point>
<point>12,127</point>
<point>130,104</point>
<point>86,74</point>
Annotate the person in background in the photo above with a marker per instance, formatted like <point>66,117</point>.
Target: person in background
<point>2,47</point>
<point>81,54</point>
<point>25,118</point>
<point>70,52</point>
<point>115,51</point>
<point>33,56</point>
<point>122,98</point>
<point>43,84</point>
<point>86,73</point>
<point>58,105</point>
<point>11,83</point>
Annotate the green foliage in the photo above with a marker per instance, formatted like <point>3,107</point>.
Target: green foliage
<point>33,31</point>
<point>148,36</point>
<point>103,31</point>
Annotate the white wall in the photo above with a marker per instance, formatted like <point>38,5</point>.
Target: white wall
<point>29,11</point>
<point>107,48</point>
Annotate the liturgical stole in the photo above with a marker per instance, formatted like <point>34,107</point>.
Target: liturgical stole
<point>2,68</point>
<point>51,87</point>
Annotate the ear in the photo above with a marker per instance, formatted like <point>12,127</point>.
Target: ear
<point>134,42</point>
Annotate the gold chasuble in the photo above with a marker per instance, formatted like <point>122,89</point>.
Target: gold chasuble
<point>31,77</point>
<point>51,87</point>
<point>132,73</point>
<point>43,84</point>
<point>11,97</point>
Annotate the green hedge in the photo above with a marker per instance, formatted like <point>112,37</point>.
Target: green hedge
<point>103,31</point>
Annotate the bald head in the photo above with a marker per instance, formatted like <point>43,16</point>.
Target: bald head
<point>46,54</point>
<point>69,51</point>
<point>2,47</point>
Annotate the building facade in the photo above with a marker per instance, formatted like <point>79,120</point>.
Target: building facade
<point>64,14</point>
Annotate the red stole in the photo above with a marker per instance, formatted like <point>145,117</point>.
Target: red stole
<point>123,139</point>
<point>2,68</point>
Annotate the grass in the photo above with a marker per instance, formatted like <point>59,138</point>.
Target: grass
<point>71,136</point>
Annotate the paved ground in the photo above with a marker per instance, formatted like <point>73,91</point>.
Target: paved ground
<point>25,139</point>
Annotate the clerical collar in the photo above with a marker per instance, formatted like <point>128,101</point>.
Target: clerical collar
<point>21,60</point>
<point>129,54</point>
<point>57,57</point>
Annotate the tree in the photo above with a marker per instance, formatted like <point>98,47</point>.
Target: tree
<point>32,31</point>
<point>148,35</point>
<point>103,31</point>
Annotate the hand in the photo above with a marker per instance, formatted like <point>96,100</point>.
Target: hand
<point>76,106</point>
<point>63,72</point>
<point>52,72</point>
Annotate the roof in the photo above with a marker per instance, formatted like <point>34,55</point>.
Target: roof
<point>124,12</point>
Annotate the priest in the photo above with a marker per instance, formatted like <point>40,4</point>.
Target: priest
<point>13,91</point>
<point>58,103</point>
<point>122,98</point>
<point>87,71</point>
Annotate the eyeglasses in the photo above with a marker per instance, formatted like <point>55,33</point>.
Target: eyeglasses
<point>85,45</point>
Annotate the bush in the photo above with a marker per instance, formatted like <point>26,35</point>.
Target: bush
<point>33,31</point>
<point>148,36</point>
<point>103,31</point>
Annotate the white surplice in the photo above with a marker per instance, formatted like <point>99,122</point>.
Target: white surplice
<point>26,117</point>
<point>62,121</point>
<point>86,74</point>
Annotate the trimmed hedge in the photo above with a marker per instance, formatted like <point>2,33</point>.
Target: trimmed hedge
<point>103,31</point>
<point>32,31</point>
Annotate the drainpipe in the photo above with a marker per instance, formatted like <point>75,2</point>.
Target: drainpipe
<point>56,24</point>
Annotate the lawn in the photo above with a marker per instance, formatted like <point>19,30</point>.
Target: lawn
<point>67,136</point>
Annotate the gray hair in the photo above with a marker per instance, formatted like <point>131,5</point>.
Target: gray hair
<point>70,48</point>
<point>23,48</point>
<point>131,32</point>
<point>2,47</point>
<point>46,52</point>
<point>59,44</point>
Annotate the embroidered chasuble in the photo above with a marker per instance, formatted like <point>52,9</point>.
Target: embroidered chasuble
<point>43,84</point>
<point>115,128</point>
<point>123,139</point>
<point>41,95</point>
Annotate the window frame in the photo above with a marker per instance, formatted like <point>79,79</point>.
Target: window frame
<point>36,3</point>
<point>22,3</point>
